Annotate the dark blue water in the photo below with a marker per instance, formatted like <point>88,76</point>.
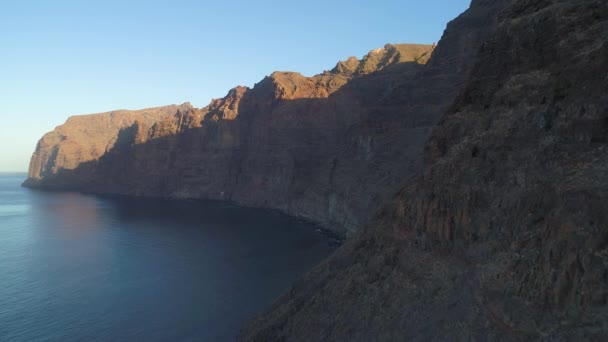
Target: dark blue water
<point>82,268</point>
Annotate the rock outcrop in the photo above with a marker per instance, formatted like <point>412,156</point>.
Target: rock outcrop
<point>328,148</point>
<point>504,235</point>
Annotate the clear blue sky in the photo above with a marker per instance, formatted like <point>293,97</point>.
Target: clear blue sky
<point>60,58</point>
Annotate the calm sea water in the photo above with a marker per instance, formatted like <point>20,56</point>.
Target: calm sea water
<point>83,268</point>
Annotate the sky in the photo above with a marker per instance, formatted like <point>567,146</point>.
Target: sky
<point>61,58</point>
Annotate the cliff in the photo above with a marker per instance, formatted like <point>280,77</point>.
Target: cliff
<point>487,164</point>
<point>86,138</point>
<point>504,235</point>
<point>328,148</point>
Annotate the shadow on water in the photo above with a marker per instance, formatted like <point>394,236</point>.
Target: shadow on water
<point>79,267</point>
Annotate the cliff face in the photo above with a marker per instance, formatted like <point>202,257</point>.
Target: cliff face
<point>86,138</point>
<point>328,148</point>
<point>504,236</point>
<point>502,233</point>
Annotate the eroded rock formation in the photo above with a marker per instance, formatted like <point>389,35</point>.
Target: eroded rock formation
<point>504,236</point>
<point>85,138</point>
<point>328,148</point>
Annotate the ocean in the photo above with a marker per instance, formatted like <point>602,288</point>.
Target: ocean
<point>77,267</point>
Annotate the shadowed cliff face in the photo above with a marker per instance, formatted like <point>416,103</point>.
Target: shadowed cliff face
<point>504,236</point>
<point>328,148</point>
<point>86,138</point>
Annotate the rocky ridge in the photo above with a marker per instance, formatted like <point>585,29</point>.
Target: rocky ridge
<point>293,143</point>
<point>504,234</point>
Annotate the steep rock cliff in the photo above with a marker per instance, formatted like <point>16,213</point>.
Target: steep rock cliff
<point>86,138</point>
<point>504,236</point>
<point>328,147</point>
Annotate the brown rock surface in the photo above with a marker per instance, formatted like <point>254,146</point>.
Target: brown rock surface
<point>85,138</point>
<point>328,148</point>
<point>504,236</point>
